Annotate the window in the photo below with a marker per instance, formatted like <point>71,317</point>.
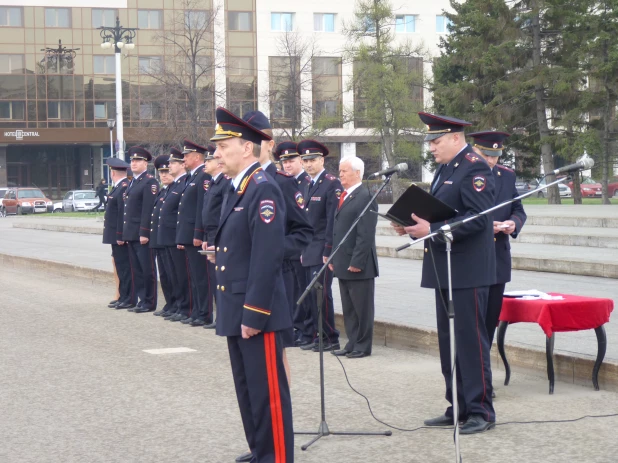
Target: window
<point>10,16</point>
<point>240,21</point>
<point>104,109</point>
<point>442,24</point>
<point>370,24</point>
<point>324,22</point>
<point>149,64</point>
<point>57,17</point>
<point>405,23</point>
<point>60,110</point>
<point>102,17</point>
<point>197,20</point>
<point>149,19</point>
<point>281,22</point>
<point>11,64</point>
<point>325,66</point>
<point>104,64</point>
<point>152,110</point>
<point>326,108</point>
<point>241,66</point>
<point>12,110</point>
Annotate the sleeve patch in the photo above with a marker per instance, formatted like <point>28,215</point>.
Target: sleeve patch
<point>206,185</point>
<point>154,189</point>
<point>338,193</point>
<point>267,210</point>
<point>300,201</point>
<point>479,182</point>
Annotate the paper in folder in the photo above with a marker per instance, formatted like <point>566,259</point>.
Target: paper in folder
<point>417,201</point>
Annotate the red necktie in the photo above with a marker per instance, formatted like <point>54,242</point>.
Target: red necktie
<point>342,198</point>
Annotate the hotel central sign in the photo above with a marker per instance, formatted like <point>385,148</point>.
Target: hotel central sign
<point>20,134</point>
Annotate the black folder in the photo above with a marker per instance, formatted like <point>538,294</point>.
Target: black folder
<point>418,201</point>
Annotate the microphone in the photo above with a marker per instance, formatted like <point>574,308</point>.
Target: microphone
<point>391,170</point>
<point>583,164</point>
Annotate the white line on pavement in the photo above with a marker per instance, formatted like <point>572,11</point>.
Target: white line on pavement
<point>169,350</point>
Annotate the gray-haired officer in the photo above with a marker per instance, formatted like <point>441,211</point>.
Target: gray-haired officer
<point>507,221</point>
<point>463,181</point>
<point>139,201</point>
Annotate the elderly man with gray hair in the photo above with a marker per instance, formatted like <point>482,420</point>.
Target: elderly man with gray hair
<point>356,264</point>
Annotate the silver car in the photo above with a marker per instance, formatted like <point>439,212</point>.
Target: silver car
<point>79,200</point>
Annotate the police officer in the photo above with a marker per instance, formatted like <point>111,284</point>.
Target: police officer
<point>190,232</point>
<point>321,197</point>
<point>507,221</point>
<point>161,164</point>
<point>139,201</point>
<point>288,156</point>
<point>250,292</point>
<point>176,259</point>
<point>112,234</point>
<point>211,211</point>
<point>464,182</point>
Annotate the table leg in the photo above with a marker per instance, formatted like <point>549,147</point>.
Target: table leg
<point>602,342</point>
<point>549,352</point>
<point>501,334</point>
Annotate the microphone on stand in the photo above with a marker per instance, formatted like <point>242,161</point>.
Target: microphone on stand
<point>391,170</point>
<point>583,164</point>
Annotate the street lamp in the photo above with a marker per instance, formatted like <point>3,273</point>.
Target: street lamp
<point>58,56</point>
<point>120,37</point>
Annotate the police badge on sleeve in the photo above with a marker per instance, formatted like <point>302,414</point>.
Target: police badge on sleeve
<point>300,201</point>
<point>267,210</point>
<point>153,189</point>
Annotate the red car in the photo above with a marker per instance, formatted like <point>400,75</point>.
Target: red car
<point>612,187</point>
<point>589,188</point>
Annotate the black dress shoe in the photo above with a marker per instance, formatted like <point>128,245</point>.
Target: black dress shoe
<point>159,313</point>
<point>357,354</point>
<point>340,353</point>
<point>308,346</point>
<point>186,321</point>
<point>113,305</point>
<point>493,394</point>
<point>439,421</point>
<point>476,424</point>
<point>125,305</point>
<point>168,315</point>
<point>143,310</point>
<point>178,318</point>
<point>300,343</point>
<point>197,322</point>
<point>247,456</point>
<point>115,301</point>
<point>210,326</point>
<point>326,347</point>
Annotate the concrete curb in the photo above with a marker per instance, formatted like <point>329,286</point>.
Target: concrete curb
<point>567,368</point>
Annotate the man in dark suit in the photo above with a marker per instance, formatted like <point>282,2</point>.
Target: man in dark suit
<point>507,221</point>
<point>161,164</point>
<point>250,293</point>
<point>112,234</point>
<point>356,263</point>
<point>321,199</point>
<point>139,201</point>
<point>463,181</point>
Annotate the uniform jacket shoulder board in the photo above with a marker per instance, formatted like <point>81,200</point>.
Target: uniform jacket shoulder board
<point>330,177</point>
<point>285,174</point>
<point>473,157</point>
<point>259,177</point>
<point>500,166</point>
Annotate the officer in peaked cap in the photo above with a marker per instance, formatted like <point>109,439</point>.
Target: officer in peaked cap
<point>161,164</point>
<point>251,295</point>
<point>287,153</point>
<point>112,234</point>
<point>463,181</point>
<point>139,201</point>
<point>190,233</point>
<point>211,210</point>
<point>175,259</point>
<point>507,221</point>
<point>321,196</point>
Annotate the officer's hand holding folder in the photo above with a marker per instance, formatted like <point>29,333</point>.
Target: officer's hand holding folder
<point>417,201</point>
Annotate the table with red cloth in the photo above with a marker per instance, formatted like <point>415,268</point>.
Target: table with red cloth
<point>572,313</point>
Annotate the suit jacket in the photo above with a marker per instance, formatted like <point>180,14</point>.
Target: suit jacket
<point>114,214</point>
<point>249,255</point>
<point>359,249</point>
<point>211,208</point>
<point>138,203</point>
<point>155,217</point>
<point>321,202</point>
<point>168,215</point>
<point>506,190</point>
<point>467,185</point>
<point>189,225</point>
<point>298,230</point>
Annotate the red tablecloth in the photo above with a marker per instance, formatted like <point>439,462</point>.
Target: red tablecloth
<point>573,313</point>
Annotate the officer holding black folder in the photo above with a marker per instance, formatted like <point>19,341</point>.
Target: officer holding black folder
<point>464,182</point>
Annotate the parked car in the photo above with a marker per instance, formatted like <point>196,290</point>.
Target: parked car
<point>612,187</point>
<point>2,193</point>
<point>26,200</point>
<point>589,188</point>
<point>79,200</point>
<point>564,190</point>
<point>57,207</point>
<point>523,186</point>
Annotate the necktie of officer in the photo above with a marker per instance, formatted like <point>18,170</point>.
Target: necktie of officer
<point>437,182</point>
<point>342,198</point>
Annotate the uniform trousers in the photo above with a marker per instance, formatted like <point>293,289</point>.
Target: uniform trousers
<point>198,268</point>
<point>472,351</point>
<point>212,278</point>
<point>300,312</point>
<point>494,306</point>
<point>263,396</point>
<point>125,277</point>
<point>289,283</point>
<point>328,311</point>
<point>144,272</point>
<point>164,279</point>
<point>182,288</point>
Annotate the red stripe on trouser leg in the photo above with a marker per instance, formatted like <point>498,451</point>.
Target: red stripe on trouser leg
<point>275,397</point>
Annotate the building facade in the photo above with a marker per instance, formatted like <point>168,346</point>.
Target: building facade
<point>57,85</point>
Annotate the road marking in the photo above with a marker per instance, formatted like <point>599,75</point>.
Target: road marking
<point>169,350</point>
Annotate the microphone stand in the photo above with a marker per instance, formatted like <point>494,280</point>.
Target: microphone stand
<point>445,233</point>
<point>323,429</point>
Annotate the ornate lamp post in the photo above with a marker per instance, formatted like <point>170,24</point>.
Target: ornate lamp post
<point>120,37</point>
<point>58,56</point>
